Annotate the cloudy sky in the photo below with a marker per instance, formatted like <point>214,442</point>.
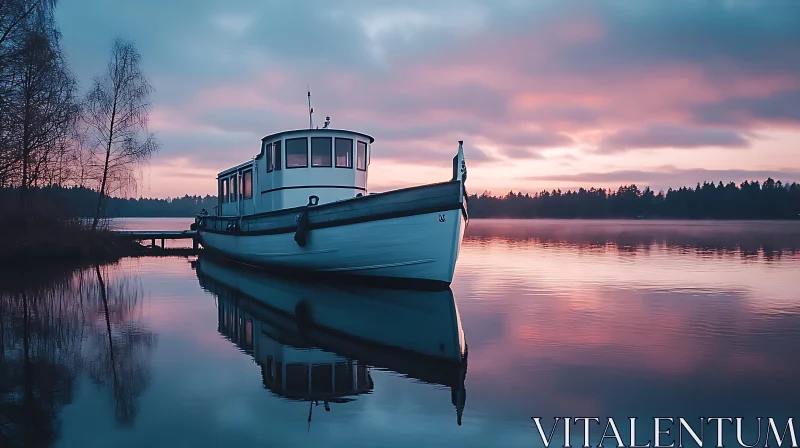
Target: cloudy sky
<point>546,94</point>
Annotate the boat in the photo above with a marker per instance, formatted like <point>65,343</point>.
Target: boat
<point>303,203</point>
<point>318,342</point>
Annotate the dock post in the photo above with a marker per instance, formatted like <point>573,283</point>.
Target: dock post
<point>162,243</point>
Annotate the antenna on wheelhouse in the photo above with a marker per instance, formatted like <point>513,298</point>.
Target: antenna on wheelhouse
<point>310,111</point>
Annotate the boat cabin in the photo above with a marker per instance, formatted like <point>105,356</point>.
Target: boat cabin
<point>291,166</point>
<point>311,373</point>
<point>299,373</point>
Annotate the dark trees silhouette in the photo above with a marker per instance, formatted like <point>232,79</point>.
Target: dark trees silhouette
<point>749,200</point>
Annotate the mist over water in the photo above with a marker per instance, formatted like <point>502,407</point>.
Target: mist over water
<point>561,318</point>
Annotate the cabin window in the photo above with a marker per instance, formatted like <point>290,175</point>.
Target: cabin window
<point>234,188</point>
<point>362,376</point>
<point>362,156</point>
<point>276,152</point>
<point>321,378</point>
<point>248,334</point>
<point>296,376</point>
<point>270,368</point>
<point>247,184</point>
<point>273,156</point>
<point>297,152</point>
<point>225,189</point>
<point>344,153</point>
<point>343,377</point>
<point>221,192</point>
<point>278,372</point>
<point>321,151</point>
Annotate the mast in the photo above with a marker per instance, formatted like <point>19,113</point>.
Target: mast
<point>310,111</point>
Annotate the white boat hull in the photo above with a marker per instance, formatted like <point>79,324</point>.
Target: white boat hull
<point>420,247</point>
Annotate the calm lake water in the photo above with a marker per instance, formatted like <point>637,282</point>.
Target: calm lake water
<point>561,318</point>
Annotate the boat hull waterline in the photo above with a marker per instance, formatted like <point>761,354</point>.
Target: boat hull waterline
<point>412,234</point>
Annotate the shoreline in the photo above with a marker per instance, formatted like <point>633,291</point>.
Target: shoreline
<point>36,238</point>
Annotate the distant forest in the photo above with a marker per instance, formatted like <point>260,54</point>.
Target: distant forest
<point>748,200</point>
<point>82,201</point>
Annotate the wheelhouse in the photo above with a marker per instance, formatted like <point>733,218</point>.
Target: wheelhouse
<point>291,372</point>
<point>311,373</point>
<point>291,166</point>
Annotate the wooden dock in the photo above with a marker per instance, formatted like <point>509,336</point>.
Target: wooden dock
<point>163,235</point>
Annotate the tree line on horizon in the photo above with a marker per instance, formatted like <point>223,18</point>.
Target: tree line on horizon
<point>82,201</point>
<point>748,200</point>
<point>51,134</point>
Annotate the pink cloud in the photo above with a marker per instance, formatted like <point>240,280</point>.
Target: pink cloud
<point>171,119</point>
<point>255,95</point>
<point>513,94</point>
<point>438,91</point>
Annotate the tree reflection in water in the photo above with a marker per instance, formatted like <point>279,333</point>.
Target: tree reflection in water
<point>55,328</point>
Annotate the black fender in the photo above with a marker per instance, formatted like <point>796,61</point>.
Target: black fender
<point>303,226</point>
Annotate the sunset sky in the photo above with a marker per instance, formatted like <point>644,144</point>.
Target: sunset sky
<point>546,94</point>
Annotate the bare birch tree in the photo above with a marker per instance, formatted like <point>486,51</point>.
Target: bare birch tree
<point>17,19</point>
<point>117,108</point>
<point>44,110</point>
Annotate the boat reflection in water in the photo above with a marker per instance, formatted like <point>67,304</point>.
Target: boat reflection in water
<point>317,342</point>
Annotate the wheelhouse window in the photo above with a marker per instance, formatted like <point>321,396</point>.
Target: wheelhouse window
<point>297,152</point>
<point>343,377</point>
<point>247,184</point>
<point>276,152</point>
<point>226,189</point>
<point>321,151</point>
<point>248,332</point>
<point>362,156</point>
<point>273,156</point>
<point>222,193</point>
<point>322,378</point>
<point>234,189</point>
<point>296,375</point>
<point>344,152</point>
